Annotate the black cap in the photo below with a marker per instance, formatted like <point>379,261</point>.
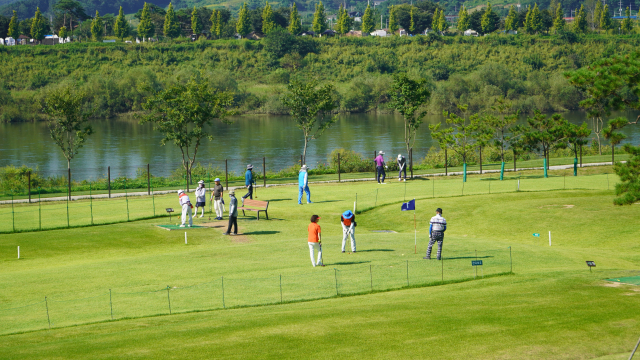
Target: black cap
<point>438,210</point>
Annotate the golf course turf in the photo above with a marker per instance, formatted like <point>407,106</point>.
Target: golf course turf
<point>551,307</point>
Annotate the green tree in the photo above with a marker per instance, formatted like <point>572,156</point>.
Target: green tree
<point>615,138</point>
<point>489,20</point>
<point>442,22</point>
<point>67,121</point>
<point>535,20</point>
<point>196,23</point>
<point>243,26</point>
<point>597,14</point>
<point>580,22</point>
<point>627,25</point>
<point>62,32</point>
<point>577,137</point>
<point>435,21</point>
<point>500,127</point>
<point>393,21</point>
<point>97,28</point>
<point>310,107</point>
<point>146,28</point>
<point>367,21</point>
<point>171,24</point>
<point>517,143</point>
<point>511,22</point>
<point>184,114</point>
<point>444,138</point>
<point>39,26</point>
<point>407,96</point>
<point>14,31</point>
<point>628,189</point>
<point>463,19</point>
<point>121,28</point>
<point>544,133</point>
<point>412,25</point>
<point>559,22</point>
<point>294,20</point>
<point>463,134</point>
<point>268,23</point>
<point>219,24</point>
<point>320,19</point>
<point>527,21</point>
<point>70,9</point>
<point>606,23</point>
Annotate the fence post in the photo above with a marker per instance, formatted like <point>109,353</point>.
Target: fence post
<point>46,303</point>
<point>153,201</point>
<point>148,181</point>
<point>281,288</point>
<point>338,167</point>
<point>510,259</point>
<point>91,203</point>
<point>446,166</point>
<point>371,276</point>
<point>110,304</point>
<point>335,272</point>
<point>264,172</point>
<point>169,299</point>
<point>226,173</point>
<point>223,291</point>
<point>126,197</point>
<point>69,181</point>
<point>39,210</point>
<point>13,216</point>
<point>29,185</point>
<point>68,197</point>
<point>411,161</point>
<point>109,180</point>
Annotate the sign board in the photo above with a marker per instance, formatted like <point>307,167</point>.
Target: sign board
<point>536,235</point>
<point>169,210</point>
<point>476,262</point>
<point>591,263</point>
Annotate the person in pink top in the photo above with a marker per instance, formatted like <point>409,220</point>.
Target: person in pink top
<point>380,166</point>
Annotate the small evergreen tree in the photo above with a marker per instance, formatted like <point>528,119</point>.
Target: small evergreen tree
<point>146,27</point>
<point>268,23</point>
<point>196,23</point>
<point>627,25</point>
<point>14,31</point>
<point>171,25</point>
<point>294,21</point>
<point>320,19</point>
<point>218,24</point>
<point>393,22</point>
<point>367,20</point>
<point>435,21</point>
<point>597,14</point>
<point>605,20</point>
<point>214,23</point>
<point>62,32</point>
<point>121,28</point>
<point>243,27</point>
<point>511,22</point>
<point>535,20</point>
<point>442,22</point>
<point>463,19</point>
<point>580,25</point>
<point>97,28</point>
<point>39,26</point>
<point>412,24</point>
<point>489,20</point>
<point>527,21</point>
<point>559,22</point>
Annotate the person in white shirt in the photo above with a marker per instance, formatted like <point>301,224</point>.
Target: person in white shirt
<point>436,233</point>
<point>200,197</point>
<point>186,208</point>
<point>348,221</point>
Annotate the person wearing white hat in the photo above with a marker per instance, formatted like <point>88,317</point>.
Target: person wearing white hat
<point>200,197</point>
<point>303,184</point>
<point>402,166</point>
<point>216,198</point>
<point>185,203</point>
<point>380,166</point>
<point>233,213</point>
<point>248,182</point>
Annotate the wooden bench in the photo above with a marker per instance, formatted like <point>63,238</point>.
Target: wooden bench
<point>255,205</point>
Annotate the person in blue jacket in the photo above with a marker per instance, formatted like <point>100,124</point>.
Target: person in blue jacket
<point>248,182</point>
<point>303,185</point>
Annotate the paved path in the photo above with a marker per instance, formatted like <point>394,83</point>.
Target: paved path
<point>144,193</point>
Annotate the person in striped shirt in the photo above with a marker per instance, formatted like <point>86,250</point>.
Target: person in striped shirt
<point>437,227</point>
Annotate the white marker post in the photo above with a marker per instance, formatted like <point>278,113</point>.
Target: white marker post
<point>185,238</point>
<point>18,252</point>
<point>549,238</point>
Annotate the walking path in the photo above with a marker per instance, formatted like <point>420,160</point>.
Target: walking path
<point>144,193</point>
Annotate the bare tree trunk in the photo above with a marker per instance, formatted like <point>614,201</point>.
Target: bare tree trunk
<point>304,153</point>
<point>613,154</point>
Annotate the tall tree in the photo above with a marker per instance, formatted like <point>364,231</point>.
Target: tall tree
<point>577,137</point>
<point>97,28</point>
<point>39,26</point>
<point>67,121</point>
<point>527,21</point>
<point>367,21</point>
<point>71,9</point>
<point>268,23</point>
<point>196,22</point>
<point>310,107</point>
<point>606,23</point>
<point>444,138</point>
<point>435,20</point>
<point>243,26</point>
<point>597,14</point>
<point>628,190</point>
<point>393,21</point>
<point>294,21</point>
<point>627,25</point>
<point>544,133</point>
<point>443,25</point>
<point>517,143</point>
<point>463,19</point>
<point>463,134</point>
<point>14,31</point>
<point>580,23</point>
<point>320,19</point>
<point>62,32</point>
<point>559,22</point>
<point>184,114</point>
<point>615,138</point>
<point>146,28</point>
<point>489,20</point>
<point>412,24</point>
<point>500,125</point>
<point>171,25</point>
<point>511,22</point>
<point>219,24</point>
<point>121,27</point>
<point>535,20</point>
<point>407,96</point>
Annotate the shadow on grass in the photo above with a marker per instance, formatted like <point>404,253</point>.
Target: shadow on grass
<point>372,250</point>
<point>279,199</point>
<point>326,201</point>
<point>468,257</point>
<point>349,263</point>
<point>261,232</point>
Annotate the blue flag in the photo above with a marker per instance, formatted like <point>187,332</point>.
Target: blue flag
<point>411,205</point>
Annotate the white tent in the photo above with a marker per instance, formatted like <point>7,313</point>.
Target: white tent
<point>470,32</point>
<point>10,41</point>
<point>382,33</point>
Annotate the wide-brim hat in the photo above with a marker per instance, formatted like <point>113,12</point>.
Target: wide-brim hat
<point>304,167</point>
<point>180,192</point>
<point>201,182</point>
<point>217,179</point>
<point>380,152</point>
<point>347,214</point>
<point>249,167</point>
<point>232,192</point>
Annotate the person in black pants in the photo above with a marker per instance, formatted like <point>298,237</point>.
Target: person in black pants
<point>233,213</point>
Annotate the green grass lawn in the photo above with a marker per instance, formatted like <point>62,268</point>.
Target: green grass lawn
<point>552,307</point>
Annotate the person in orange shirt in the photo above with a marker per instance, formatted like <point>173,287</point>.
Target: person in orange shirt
<point>315,241</point>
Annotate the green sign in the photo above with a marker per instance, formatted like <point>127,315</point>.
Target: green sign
<point>536,235</point>
<point>476,262</point>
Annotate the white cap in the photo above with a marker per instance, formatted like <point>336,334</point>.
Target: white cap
<point>249,167</point>
<point>304,167</point>
<point>180,192</point>
<point>381,152</point>
<point>232,192</point>
<point>201,182</point>
<point>399,156</point>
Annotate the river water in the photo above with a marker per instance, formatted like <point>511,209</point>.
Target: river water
<point>125,145</point>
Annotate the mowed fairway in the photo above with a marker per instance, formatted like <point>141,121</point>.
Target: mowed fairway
<point>552,307</point>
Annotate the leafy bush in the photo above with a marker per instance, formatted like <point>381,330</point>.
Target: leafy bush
<point>350,161</point>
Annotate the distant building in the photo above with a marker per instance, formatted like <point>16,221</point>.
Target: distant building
<point>382,33</point>
<point>470,32</point>
<point>402,32</point>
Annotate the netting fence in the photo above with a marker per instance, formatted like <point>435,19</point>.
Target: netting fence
<point>68,309</point>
